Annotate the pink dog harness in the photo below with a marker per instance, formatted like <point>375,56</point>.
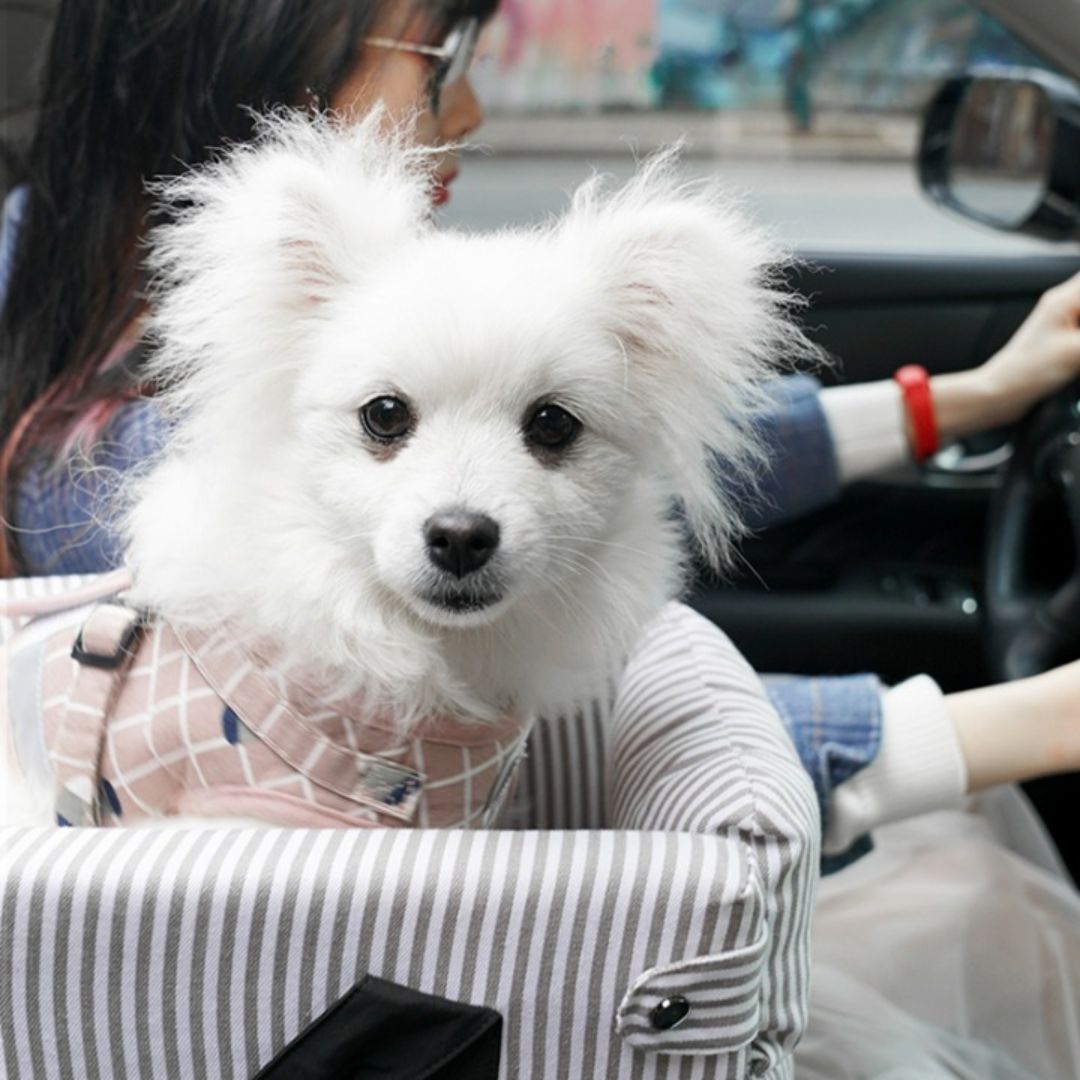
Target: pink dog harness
<point>139,721</point>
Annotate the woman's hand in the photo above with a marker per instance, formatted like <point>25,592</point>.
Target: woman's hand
<point>1038,360</point>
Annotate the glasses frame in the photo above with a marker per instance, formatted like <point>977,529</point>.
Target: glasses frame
<point>453,57</point>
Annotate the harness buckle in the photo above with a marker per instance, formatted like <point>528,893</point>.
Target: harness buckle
<point>112,660</point>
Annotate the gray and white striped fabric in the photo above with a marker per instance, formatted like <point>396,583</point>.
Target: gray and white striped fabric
<point>162,953</point>
<point>696,747</point>
<point>39,588</point>
<point>561,782</point>
<point>692,743</point>
<point>199,953</point>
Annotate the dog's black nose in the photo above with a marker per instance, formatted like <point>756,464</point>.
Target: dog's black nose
<point>460,541</point>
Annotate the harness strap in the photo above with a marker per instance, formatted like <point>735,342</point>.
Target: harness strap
<point>103,651</point>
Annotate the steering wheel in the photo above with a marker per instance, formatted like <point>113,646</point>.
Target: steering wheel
<point>1031,629</point>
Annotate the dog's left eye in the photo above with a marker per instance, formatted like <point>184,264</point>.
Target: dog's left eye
<point>551,427</point>
<point>386,418</point>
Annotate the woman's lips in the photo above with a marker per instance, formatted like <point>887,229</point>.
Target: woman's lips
<point>440,190</point>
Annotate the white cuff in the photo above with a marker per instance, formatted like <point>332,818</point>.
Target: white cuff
<point>919,767</point>
<point>866,421</point>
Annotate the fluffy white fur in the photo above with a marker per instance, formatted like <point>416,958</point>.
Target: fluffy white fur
<point>303,276</point>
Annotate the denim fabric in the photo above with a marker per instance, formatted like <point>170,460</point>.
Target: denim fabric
<point>802,473</point>
<point>14,205</point>
<point>64,511</point>
<point>835,724</point>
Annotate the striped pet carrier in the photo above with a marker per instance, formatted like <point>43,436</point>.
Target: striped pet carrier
<point>639,907</point>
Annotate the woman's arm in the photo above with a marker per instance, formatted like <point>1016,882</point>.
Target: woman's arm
<point>1019,730</point>
<point>820,440</point>
<point>802,473</point>
<point>65,512</point>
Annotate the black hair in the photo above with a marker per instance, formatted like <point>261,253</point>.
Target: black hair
<point>132,91</point>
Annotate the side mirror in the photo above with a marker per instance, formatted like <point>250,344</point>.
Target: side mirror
<point>1003,149</point>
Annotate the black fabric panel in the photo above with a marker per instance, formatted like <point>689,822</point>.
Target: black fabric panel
<point>382,1031</point>
<point>856,279</point>
<point>873,313</point>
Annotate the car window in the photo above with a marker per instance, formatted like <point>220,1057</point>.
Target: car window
<point>812,108</point>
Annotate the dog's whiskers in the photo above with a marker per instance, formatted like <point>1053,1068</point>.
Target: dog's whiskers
<point>599,542</point>
<point>350,537</point>
<point>582,564</point>
<point>571,599</point>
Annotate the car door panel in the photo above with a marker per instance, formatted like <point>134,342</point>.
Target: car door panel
<point>874,313</point>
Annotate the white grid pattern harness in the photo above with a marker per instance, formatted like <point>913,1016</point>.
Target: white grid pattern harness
<point>142,720</point>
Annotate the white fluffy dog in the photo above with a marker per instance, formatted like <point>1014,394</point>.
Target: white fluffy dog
<point>441,466</point>
<point>432,469</point>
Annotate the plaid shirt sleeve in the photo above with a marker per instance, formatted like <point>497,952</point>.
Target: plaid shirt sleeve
<point>802,473</point>
<point>65,511</point>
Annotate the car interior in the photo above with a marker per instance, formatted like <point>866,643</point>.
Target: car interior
<point>893,578</point>
<point>966,567</point>
<point>962,567</point>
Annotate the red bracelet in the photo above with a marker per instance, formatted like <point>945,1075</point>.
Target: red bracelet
<point>914,382</point>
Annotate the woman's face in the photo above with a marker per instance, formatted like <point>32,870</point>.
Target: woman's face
<point>401,80</point>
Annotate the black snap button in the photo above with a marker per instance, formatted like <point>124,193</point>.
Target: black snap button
<point>670,1012</point>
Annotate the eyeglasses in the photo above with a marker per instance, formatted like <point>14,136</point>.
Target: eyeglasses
<point>452,58</point>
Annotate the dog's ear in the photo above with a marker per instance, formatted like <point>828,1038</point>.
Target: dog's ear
<point>260,238</point>
<point>691,291</point>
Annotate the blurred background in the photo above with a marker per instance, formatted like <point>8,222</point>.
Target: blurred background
<point>804,57</point>
<point>809,107</point>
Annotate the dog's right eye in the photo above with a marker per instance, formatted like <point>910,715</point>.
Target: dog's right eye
<point>386,418</point>
<point>552,428</point>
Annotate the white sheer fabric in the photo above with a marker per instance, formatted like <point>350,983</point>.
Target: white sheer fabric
<point>951,951</point>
